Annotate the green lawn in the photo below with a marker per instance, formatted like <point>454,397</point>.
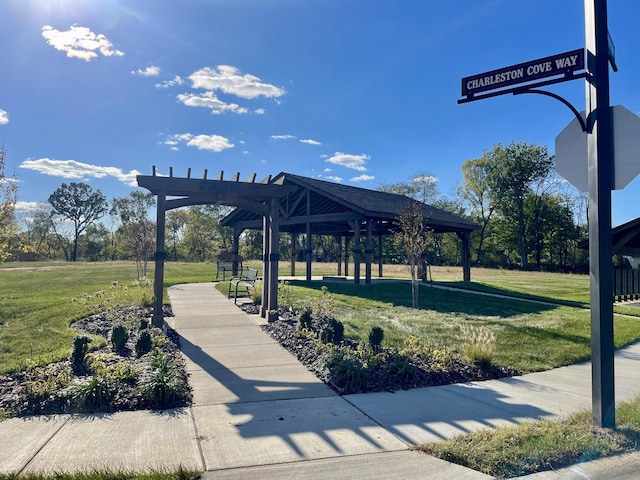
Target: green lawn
<point>518,450</point>
<point>38,302</point>
<point>529,336</point>
<point>36,307</point>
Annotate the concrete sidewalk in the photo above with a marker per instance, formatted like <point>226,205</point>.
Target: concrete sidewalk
<point>258,413</point>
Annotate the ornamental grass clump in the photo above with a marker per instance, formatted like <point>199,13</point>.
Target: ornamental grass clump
<point>479,345</point>
<point>162,384</point>
<point>344,370</point>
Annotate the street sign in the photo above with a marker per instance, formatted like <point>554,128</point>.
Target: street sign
<point>560,64</point>
<point>571,150</point>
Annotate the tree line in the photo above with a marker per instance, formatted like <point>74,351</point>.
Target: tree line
<point>528,217</point>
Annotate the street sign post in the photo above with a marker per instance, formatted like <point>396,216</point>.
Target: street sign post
<point>598,124</point>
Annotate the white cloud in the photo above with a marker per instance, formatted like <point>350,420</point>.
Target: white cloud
<point>333,178</point>
<point>425,179</point>
<point>151,71</point>
<point>177,80</point>
<point>4,117</point>
<point>228,79</point>
<point>79,42</point>
<point>260,111</point>
<point>355,162</point>
<point>283,137</point>
<point>362,178</point>
<point>78,170</point>
<point>28,207</point>
<point>211,101</point>
<point>214,143</point>
<point>309,141</point>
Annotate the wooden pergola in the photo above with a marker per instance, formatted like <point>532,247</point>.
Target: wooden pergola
<point>262,199</point>
<point>317,207</point>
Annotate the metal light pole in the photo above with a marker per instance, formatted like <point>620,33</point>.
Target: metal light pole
<point>600,164</point>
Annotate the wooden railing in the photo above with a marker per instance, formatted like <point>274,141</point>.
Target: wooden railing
<point>626,285</point>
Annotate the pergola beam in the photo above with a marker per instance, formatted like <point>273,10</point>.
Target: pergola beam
<point>261,198</point>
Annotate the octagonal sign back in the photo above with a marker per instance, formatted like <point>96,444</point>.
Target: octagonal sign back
<point>571,150</point>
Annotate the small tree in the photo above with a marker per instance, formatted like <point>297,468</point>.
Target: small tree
<point>413,238</point>
<point>137,230</point>
<point>8,198</point>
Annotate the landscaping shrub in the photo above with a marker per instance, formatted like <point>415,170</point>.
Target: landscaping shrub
<point>338,330</point>
<point>79,351</point>
<point>327,334</point>
<point>161,383</point>
<point>95,395</point>
<point>345,371</point>
<point>144,343</point>
<point>325,306</point>
<point>42,388</point>
<point>375,336</point>
<point>305,319</point>
<point>119,337</point>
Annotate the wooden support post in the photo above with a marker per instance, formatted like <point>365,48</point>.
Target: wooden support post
<point>357,251</point>
<point>274,258</point>
<point>236,250</point>
<point>466,255</point>
<point>265,265</point>
<point>339,239</point>
<point>368,252</point>
<point>380,256</point>
<point>308,253</point>
<point>294,252</point>
<point>157,319</point>
<point>346,256</point>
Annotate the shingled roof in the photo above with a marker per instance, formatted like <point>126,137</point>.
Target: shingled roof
<point>331,205</point>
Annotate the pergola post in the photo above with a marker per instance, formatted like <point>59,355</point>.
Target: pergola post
<point>368,250</point>
<point>339,239</point>
<point>294,252</point>
<point>274,258</point>
<point>236,250</point>
<point>357,251</point>
<point>466,255</point>
<point>380,256</point>
<point>308,253</point>
<point>266,249</point>
<point>346,256</point>
<point>157,319</point>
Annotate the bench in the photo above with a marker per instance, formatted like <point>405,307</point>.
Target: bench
<point>223,266</point>
<point>225,263</point>
<point>243,284</point>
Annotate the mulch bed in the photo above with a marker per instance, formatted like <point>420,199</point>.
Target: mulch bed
<point>383,377</point>
<point>18,391</point>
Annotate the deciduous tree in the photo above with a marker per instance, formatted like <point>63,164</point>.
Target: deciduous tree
<point>413,237</point>
<point>137,231</point>
<point>78,203</point>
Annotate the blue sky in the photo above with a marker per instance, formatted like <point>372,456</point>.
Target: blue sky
<point>358,91</point>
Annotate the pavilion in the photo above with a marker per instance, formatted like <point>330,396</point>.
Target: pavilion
<point>297,205</point>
